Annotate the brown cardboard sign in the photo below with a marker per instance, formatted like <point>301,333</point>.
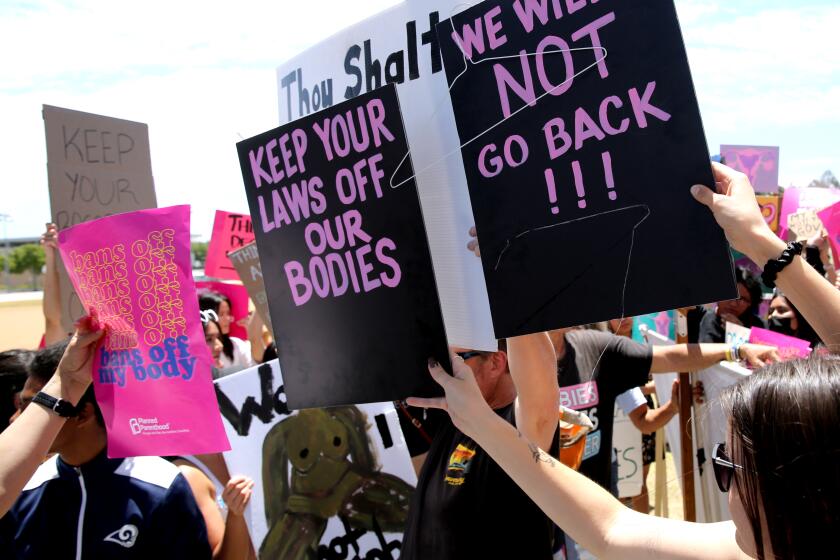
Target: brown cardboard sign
<point>247,263</point>
<point>96,166</point>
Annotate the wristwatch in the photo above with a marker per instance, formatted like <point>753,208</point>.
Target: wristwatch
<point>59,406</point>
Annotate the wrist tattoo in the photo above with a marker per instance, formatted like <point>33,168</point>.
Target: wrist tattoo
<point>538,454</point>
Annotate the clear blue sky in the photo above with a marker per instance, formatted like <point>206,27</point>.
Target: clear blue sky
<point>202,75</point>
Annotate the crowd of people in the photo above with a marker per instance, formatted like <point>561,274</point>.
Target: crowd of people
<point>490,480</point>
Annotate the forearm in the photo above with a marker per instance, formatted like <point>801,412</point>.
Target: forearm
<point>533,368</point>
<point>25,443</point>
<point>686,357</point>
<point>657,418</point>
<point>255,337</point>
<point>53,331</point>
<point>236,541</point>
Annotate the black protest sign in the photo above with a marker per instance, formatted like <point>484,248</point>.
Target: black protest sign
<point>96,166</point>
<point>581,137</point>
<point>344,256</point>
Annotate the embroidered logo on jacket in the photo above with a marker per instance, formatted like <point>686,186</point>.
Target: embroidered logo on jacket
<point>125,536</point>
<point>459,465</point>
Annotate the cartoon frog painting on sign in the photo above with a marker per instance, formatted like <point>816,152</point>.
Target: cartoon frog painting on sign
<point>320,464</point>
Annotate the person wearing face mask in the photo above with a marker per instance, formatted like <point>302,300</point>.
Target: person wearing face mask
<point>784,318</point>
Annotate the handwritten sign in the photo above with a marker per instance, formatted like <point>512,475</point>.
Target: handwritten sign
<point>578,162</point>
<point>789,347</point>
<point>344,255</point>
<point>238,296</point>
<point>96,166</point>
<point>151,372</point>
<point>769,204</point>
<point>400,46</point>
<point>627,442</point>
<point>759,163</point>
<point>247,263</point>
<point>347,497</point>
<point>805,224</point>
<point>230,232</point>
<point>737,334</point>
<point>805,198</point>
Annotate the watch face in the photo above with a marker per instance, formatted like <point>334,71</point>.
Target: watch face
<point>64,408</point>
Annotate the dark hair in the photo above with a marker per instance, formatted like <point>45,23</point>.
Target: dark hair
<point>750,282</point>
<point>43,366</point>
<point>785,430</point>
<point>804,330</point>
<point>212,301</point>
<point>15,363</point>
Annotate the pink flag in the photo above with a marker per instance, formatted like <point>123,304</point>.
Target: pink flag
<point>230,232</point>
<point>238,296</point>
<point>830,217</point>
<point>789,346</point>
<point>151,373</point>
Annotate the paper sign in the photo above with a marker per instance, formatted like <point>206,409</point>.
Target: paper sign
<point>736,334</point>
<point>344,255</point>
<point>238,297</point>
<point>805,224</point>
<point>759,163</point>
<point>769,204</point>
<point>663,322</point>
<point>815,198</point>
<point>789,347</point>
<point>247,263</point>
<point>326,480</point>
<point>830,217</point>
<point>96,166</point>
<point>400,46</point>
<point>151,372</point>
<point>627,442</point>
<point>230,232</point>
<point>578,163</point>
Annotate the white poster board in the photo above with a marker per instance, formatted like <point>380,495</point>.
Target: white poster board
<point>709,428</point>
<point>627,441</point>
<point>337,479</point>
<point>400,45</point>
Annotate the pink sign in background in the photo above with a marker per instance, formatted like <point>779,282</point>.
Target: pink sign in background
<point>789,346</point>
<point>238,296</point>
<point>830,217</point>
<point>151,372</point>
<point>759,163</point>
<point>231,231</point>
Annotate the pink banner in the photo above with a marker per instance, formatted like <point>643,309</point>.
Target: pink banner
<point>759,163</point>
<point>789,347</point>
<point>230,232</point>
<point>151,372</point>
<point>830,217</point>
<point>238,296</point>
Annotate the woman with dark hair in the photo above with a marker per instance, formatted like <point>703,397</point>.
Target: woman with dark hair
<point>742,311</point>
<point>236,353</point>
<point>784,318</point>
<point>782,450</point>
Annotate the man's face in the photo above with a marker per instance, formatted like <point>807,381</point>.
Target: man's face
<point>482,368</point>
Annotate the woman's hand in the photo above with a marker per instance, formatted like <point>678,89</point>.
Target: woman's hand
<point>76,364</point>
<point>737,212</point>
<point>473,243</point>
<point>237,494</point>
<point>463,400</point>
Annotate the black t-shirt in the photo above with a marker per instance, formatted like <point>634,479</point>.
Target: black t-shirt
<point>596,368</point>
<point>466,506</point>
<point>713,327</point>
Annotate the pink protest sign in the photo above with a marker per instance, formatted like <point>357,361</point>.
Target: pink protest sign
<point>789,347</point>
<point>759,163</point>
<point>830,217</point>
<point>230,232</point>
<point>238,296</point>
<point>151,373</point>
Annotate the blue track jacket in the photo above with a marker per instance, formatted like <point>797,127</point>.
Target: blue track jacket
<point>140,507</point>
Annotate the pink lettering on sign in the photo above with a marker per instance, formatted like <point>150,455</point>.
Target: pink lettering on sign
<point>230,232</point>
<point>579,396</point>
<point>151,372</point>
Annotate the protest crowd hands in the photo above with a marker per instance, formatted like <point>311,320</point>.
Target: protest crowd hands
<point>76,366</point>
<point>737,212</point>
<point>758,355</point>
<point>237,494</point>
<point>472,245</point>
<point>463,400</point>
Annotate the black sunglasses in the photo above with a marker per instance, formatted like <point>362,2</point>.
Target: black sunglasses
<point>724,467</point>
<point>469,354</point>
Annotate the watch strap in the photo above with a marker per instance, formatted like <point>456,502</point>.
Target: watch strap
<point>59,406</point>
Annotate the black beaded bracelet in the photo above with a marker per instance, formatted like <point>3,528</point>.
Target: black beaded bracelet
<point>775,266</point>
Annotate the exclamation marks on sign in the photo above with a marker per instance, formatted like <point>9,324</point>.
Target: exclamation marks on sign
<point>608,175</point>
<point>552,191</point>
<point>581,191</point>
